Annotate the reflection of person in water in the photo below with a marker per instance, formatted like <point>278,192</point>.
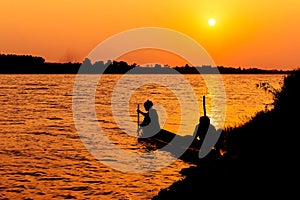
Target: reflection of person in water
<point>150,125</point>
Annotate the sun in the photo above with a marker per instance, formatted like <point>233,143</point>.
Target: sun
<point>211,22</point>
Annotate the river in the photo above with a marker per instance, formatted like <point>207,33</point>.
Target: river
<point>43,154</point>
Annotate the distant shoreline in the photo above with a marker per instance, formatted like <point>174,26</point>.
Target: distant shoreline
<point>27,64</point>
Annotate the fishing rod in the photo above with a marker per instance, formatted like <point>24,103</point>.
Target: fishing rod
<point>138,119</point>
<point>204,109</point>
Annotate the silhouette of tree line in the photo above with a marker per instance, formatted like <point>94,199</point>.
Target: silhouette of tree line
<point>27,64</point>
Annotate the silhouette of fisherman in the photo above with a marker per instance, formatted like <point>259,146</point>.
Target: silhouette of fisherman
<point>205,137</point>
<point>150,125</point>
<point>201,129</point>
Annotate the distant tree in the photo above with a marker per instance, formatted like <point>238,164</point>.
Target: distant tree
<point>87,62</point>
<point>133,65</point>
<point>186,66</point>
<point>157,66</point>
<point>86,66</point>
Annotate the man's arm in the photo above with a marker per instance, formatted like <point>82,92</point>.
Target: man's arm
<point>139,111</point>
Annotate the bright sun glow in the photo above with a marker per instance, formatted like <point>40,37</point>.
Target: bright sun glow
<point>211,22</point>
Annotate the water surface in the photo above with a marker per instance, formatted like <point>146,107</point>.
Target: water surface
<point>42,156</point>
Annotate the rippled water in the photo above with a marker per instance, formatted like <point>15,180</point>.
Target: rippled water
<point>43,157</point>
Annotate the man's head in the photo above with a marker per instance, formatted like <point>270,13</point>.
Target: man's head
<point>204,120</point>
<point>148,104</point>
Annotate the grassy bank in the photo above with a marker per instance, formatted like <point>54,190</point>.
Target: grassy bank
<point>261,159</point>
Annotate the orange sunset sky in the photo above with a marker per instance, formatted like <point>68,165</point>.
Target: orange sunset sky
<point>257,33</point>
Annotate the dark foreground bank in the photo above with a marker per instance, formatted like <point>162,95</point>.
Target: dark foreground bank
<point>261,159</point>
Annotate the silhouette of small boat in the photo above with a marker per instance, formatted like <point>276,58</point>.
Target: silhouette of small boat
<point>182,146</point>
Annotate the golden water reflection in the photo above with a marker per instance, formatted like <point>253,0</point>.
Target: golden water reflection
<point>42,156</point>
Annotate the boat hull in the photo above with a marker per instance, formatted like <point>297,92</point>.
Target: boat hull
<point>173,143</point>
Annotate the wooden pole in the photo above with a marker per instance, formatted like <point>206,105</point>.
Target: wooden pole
<point>138,119</point>
<point>204,109</point>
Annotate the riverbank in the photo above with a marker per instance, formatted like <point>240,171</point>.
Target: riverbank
<point>261,155</point>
